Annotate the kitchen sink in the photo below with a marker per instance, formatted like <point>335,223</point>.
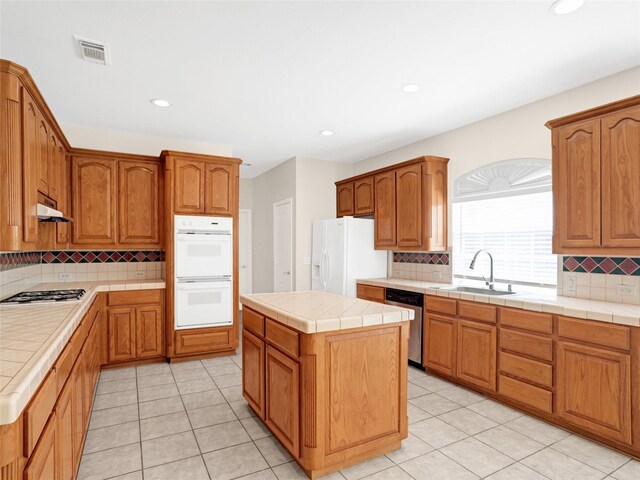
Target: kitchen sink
<point>482,291</point>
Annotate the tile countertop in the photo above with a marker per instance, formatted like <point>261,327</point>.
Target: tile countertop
<point>558,305</point>
<point>315,312</point>
<point>33,336</point>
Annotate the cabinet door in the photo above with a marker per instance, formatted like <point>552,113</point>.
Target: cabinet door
<point>31,154</point>
<point>218,189</point>
<point>363,194</point>
<point>189,186</point>
<point>440,347</point>
<point>344,200</point>
<point>594,390</point>
<point>282,399</point>
<point>43,462</point>
<point>621,179</point>
<point>94,201</point>
<point>121,330</point>
<point>54,166</point>
<point>253,371</point>
<point>385,211</point>
<point>138,202</point>
<point>577,185</point>
<point>409,206</point>
<point>435,184</point>
<point>149,332</point>
<point>477,354</point>
<point>43,156</point>
<point>64,417</point>
<point>64,199</point>
<point>80,417</point>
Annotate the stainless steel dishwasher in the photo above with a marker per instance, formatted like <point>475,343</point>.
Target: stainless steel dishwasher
<point>414,301</point>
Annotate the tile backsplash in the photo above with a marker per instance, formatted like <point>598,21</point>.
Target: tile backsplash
<point>425,266</point>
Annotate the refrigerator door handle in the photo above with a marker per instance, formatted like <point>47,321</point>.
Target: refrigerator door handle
<point>323,277</point>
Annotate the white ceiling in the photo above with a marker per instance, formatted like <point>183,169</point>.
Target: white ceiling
<point>265,77</point>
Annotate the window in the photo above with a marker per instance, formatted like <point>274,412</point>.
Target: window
<point>506,208</point>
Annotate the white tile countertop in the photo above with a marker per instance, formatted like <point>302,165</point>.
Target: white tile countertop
<point>33,336</point>
<point>558,305</point>
<point>315,312</point>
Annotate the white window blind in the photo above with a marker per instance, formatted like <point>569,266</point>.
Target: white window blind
<point>515,229</point>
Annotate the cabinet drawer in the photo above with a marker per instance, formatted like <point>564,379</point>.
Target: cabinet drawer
<point>614,336</point>
<point>253,321</point>
<point>527,344</point>
<point>368,292</point>
<point>440,305</point>
<point>536,322</point>
<point>282,337</point>
<point>134,297</point>
<point>202,341</point>
<point>64,364</point>
<point>535,397</point>
<point>477,311</point>
<point>526,369</point>
<point>38,411</point>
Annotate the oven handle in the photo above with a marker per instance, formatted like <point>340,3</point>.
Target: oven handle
<point>221,285</point>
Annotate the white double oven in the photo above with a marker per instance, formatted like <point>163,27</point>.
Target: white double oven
<point>203,271</point>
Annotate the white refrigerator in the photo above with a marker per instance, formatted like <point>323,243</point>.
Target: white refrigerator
<point>342,252</point>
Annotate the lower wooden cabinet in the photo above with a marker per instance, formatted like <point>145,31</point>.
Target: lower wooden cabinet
<point>594,390</point>
<point>66,433</point>
<point>253,386</point>
<point>440,343</point>
<point>44,460</point>
<point>121,330</point>
<point>371,293</point>
<point>476,354</point>
<point>149,332</point>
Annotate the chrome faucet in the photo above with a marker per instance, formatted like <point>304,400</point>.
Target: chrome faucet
<point>489,282</point>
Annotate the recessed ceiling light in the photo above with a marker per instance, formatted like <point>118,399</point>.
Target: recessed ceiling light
<point>410,88</point>
<point>326,133</point>
<point>562,7</point>
<point>158,102</point>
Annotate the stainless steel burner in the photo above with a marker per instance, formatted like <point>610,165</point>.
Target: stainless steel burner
<point>46,296</point>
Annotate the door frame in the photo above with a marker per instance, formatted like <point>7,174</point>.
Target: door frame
<point>275,275</point>
<point>249,259</point>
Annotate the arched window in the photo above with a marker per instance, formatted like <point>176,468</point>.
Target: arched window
<point>506,208</point>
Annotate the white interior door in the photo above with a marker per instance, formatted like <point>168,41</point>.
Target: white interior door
<point>246,278</point>
<point>282,246</point>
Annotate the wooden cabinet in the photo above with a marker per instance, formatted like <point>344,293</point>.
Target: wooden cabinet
<point>363,197</point>
<point>440,343</point>
<point>253,370</point>
<point>43,462</point>
<point>476,354</point>
<point>31,154</point>
<point>66,433</point>
<point>121,331</point>
<point>596,182</point>
<point>80,417</point>
<point>409,206</point>
<point>344,200</point>
<point>43,155</point>
<point>371,293</point>
<point>189,186</point>
<point>93,183</point>
<point>138,202</point>
<point>149,332</point>
<point>219,189</point>
<point>63,229</point>
<point>54,165</point>
<point>385,210</point>
<point>594,390</point>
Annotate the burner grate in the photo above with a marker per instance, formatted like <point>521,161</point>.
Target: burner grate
<point>46,296</point>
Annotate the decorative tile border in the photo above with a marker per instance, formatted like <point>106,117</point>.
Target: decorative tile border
<point>11,260</point>
<point>607,265</point>
<point>102,256</point>
<point>426,258</point>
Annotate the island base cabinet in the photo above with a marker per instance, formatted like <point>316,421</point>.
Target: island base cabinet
<point>253,385</point>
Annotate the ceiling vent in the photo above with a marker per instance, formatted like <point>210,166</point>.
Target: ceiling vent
<point>94,51</point>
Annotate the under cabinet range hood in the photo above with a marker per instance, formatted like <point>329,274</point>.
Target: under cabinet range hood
<point>48,214</point>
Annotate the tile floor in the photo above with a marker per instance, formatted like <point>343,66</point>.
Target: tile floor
<point>189,421</point>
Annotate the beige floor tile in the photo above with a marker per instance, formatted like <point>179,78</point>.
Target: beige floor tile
<point>164,425</point>
<point>153,369</point>
<point>364,469</point>
<point>192,468</point>
<point>220,370</point>
<point>241,409</point>
<point>169,449</point>
<point>162,406</point>
<point>477,457</point>
<point>195,386</point>
<point>129,476</point>
<point>512,444</point>
<point>221,436</point>
<point>393,473</point>
<point>436,466</point>
<point>110,437</point>
<point>629,471</point>
<point>255,428</point>
<point>204,417</point>
<point>272,451</point>
<point>433,384</point>
<point>117,374</point>
<point>436,432</point>
<point>228,380</point>
<point>495,411</point>
<point>558,466</point>
<point>183,366</point>
<point>109,463</point>
<point>232,394</point>
<point>468,421</point>
<point>461,396</point>
<point>203,399</point>
<point>116,386</point>
<point>412,447</point>
<point>113,416</point>
<point>118,399</point>
<point>537,429</point>
<point>434,404</point>
<point>261,475</point>
<point>414,391</point>
<point>157,392</point>
<point>234,462</point>
<point>517,471</point>
<point>154,380</point>
<point>213,362</point>
<point>590,453</point>
<point>416,414</point>
<point>194,374</point>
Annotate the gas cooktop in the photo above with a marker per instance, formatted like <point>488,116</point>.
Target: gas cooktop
<point>46,296</point>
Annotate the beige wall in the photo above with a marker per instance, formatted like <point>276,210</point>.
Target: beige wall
<point>316,199</point>
<point>246,193</point>
<point>117,141</point>
<point>277,184</point>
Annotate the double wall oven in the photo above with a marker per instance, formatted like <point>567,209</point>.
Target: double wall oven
<point>203,271</point>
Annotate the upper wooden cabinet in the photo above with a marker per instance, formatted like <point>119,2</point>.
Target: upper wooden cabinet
<point>189,191</point>
<point>596,180</point>
<point>31,151</point>
<point>219,191</point>
<point>408,202</point>
<point>138,202</point>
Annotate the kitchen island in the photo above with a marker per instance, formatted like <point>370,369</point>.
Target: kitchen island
<point>327,375</point>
